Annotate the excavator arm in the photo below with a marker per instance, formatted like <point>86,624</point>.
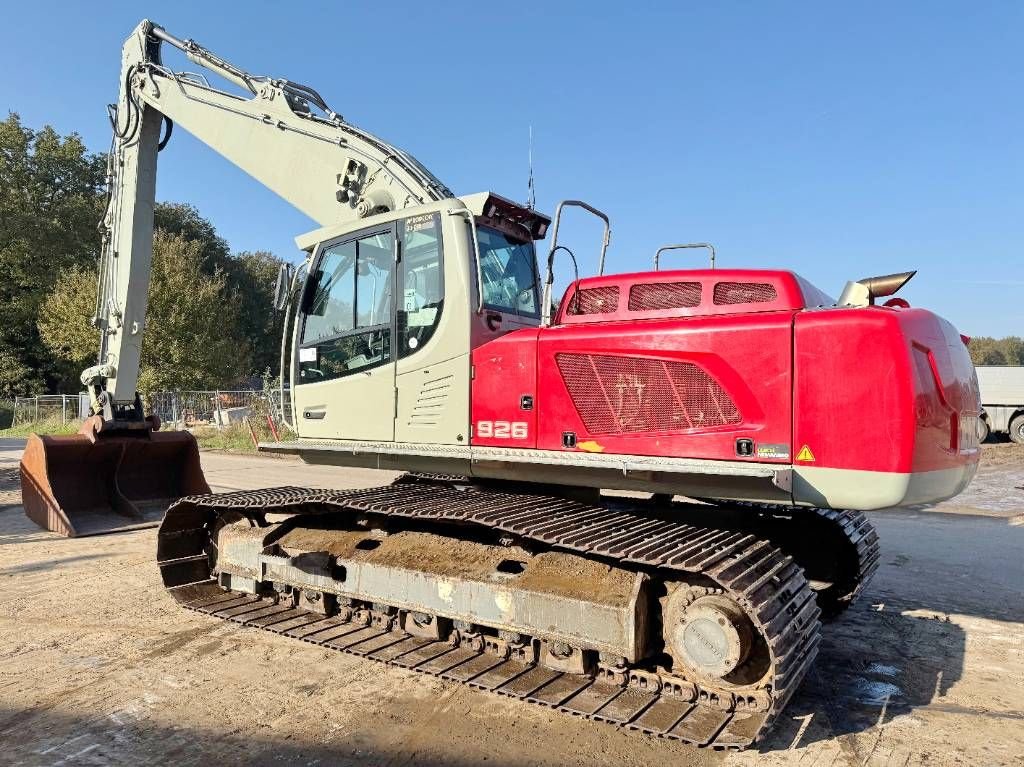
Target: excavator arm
<point>281,133</point>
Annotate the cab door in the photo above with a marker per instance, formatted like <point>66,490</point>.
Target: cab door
<point>346,340</point>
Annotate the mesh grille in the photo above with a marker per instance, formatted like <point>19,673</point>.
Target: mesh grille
<point>663,295</point>
<point>595,301</point>
<point>630,395</point>
<point>744,293</point>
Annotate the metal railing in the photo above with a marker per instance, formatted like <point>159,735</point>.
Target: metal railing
<point>218,407</point>
<point>50,408</point>
<point>176,409</point>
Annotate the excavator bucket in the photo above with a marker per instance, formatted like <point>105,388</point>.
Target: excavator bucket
<point>78,485</point>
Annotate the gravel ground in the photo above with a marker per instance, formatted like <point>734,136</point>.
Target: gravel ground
<point>98,666</point>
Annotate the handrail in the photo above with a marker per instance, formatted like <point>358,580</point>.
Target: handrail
<point>708,245</point>
<point>550,274</point>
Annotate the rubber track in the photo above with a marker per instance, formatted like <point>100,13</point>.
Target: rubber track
<point>771,588</point>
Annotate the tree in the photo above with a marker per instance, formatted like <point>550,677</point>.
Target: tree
<point>177,218</point>
<point>997,351</point>
<point>253,276</point>
<point>50,200</point>
<point>192,341</point>
<point>250,276</point>
<point>13,375</point>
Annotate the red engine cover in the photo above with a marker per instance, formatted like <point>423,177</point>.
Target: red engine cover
<point>739,365</point>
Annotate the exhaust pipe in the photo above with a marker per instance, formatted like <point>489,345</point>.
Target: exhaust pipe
<point>864,292</point>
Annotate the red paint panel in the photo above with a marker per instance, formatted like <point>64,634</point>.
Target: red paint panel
<point>882,389</point>
<point>877,388</point>
<point>504,371</point>
<point>741,362</point>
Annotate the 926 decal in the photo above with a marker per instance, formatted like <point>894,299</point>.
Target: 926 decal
<point>502,429</point>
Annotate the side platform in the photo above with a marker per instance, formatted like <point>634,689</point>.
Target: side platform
<point>733,480</point>
<point>754,481</point>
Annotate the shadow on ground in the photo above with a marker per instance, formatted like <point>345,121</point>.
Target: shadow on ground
<point>872,667</point>
<point>119,738</point>
<point>50,564</point>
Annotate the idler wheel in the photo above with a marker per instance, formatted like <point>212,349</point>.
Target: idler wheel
<point>707,633</point>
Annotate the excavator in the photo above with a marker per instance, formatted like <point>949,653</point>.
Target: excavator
<point>637,506</point>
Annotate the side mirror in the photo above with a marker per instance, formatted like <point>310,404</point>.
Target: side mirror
<point>283,287</point>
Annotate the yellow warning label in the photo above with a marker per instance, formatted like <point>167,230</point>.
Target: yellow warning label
<point>591,447</point>
<point>805,454</point>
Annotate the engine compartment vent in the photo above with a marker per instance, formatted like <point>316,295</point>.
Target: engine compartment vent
<point>744,293</point>
<point>603,300</point>
<point>652,296</point>
<point>431,401</point>
<point>633,395</point>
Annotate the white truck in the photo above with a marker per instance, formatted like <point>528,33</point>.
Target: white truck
<point>1002,400</point>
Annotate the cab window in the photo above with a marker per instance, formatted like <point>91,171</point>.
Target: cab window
<point>419,309</point>
<point>348,305</point>
<point>508,271</point>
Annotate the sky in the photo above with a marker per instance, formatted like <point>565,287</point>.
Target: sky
<point>839,140</point>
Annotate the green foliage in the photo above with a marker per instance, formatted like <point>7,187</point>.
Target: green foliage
<point>234,438</point>
<point>997,351</point>
<point>50,200</point>
<point>211,321</point>
<point>250,277</point>
<point>181,219</point>
<point>191,340</point>
<point>16,377</point>
<point>6,412</point>
<point>49,426</point>
<point>253,276</point>
<point>64,318</point>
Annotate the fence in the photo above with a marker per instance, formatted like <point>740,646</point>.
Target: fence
<point>174,408</point>
<point>218,407</point>
<point>51,408</point>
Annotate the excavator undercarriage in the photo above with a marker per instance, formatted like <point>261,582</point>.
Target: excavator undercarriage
<point>638,613</point>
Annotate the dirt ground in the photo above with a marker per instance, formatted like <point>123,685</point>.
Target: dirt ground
<point>98,666</point>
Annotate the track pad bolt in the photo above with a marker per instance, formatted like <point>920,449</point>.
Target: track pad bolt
<point>612,661</point>
<point>560,649</point>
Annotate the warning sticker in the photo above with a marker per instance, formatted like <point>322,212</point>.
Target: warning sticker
<point>805,454</point>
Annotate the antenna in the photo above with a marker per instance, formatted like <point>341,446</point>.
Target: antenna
<point>531,197</point>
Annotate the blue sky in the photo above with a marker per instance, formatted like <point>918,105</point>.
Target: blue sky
<point>838,140</point>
